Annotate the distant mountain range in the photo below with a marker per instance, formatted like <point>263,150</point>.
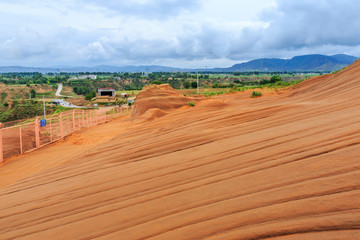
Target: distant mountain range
<point>305,63</point>
<point>314,62</point>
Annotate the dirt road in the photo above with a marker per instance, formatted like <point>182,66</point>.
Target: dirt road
<point>283,166</point>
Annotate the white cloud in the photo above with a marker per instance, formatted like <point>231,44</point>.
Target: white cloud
<point>172,32</point>
<point>304,23</point>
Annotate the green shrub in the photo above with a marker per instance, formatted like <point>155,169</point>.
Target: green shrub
<point>3,96</point>
<point>256,94</point>
<point>32,93</point>
<point>194,84</point>
<point>90,95</point>
<point>157,82</point>
<point>191,104</point>
<point>210,94</point>
<point>186,84</point>
<point>275,78</point>
<point>335,72</point>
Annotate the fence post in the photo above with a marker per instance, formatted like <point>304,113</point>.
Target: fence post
<point>90,122</point>
<point>37,134</point>
<point>1,145</point>
<point>83,116</point>
<point>51,137</point>
<point>61,127</point>
<point>94,118</point>
<point>21,145</point>
<point>73,116</point>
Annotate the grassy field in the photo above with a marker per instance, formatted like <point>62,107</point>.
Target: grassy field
<point>68,92</point>
<point>203,91</point>
<point>208,92</point>
<point>129,92</point>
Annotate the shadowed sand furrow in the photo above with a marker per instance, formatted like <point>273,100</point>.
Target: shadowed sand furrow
<point>167,230</point>
<point>307,196</point>
<point>289,133</point>
<point>280,166</point>
<point>350,118</point>
<point>329,235</point>
<point>228,169</point>
<point>327,224</point>
<point>257,189</point>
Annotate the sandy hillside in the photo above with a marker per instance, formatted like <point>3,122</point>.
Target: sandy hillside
<point>12,92</point>
<point>283,166</point>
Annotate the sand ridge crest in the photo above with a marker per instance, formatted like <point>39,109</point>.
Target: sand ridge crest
<point>156,100</point>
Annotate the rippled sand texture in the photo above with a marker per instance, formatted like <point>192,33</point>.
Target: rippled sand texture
<point>282,166</point>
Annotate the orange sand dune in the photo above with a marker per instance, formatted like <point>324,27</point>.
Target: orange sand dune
<point>283,166</point>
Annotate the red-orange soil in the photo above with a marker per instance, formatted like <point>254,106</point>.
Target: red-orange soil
<point>282,166</point>
<point>156,100</point>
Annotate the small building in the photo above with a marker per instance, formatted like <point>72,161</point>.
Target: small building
<point>124,95</point>
<point>89,76</point>
<point>83,77</point>
<point>110,92</point>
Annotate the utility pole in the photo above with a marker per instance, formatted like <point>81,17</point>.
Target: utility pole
<point>197,80</point>
<point>44,107</point>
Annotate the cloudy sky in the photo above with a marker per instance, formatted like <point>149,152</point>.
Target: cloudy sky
<point>178,33</point>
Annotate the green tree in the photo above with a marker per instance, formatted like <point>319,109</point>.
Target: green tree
<point>152,76</point>
<point>90,95</point>
<point>275,78</point>
<point>186,84</point>
<point>157,82</point>
<point>194,84</point>
<point>175,84</point>
<point>32,93</point>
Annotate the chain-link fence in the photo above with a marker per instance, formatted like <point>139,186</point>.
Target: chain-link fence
<point>29,134</point>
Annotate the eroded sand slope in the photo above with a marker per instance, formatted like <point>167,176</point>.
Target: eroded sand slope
<point>281,166</point>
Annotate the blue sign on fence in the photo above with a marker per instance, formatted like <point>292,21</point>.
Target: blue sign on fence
<point>42,122</point>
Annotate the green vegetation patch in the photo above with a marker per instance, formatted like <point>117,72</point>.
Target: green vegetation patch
<point>256,94</point>
<point>210,94</point>
<point>3,96</point>
<point>22,111</point>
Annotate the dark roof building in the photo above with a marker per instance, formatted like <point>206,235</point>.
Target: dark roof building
<point>107,92</point>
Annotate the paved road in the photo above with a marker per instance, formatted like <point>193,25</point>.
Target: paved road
<point>57,94</point>
<point>62,102</point>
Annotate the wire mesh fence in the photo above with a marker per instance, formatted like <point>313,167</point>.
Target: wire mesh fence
<point>29,134</point>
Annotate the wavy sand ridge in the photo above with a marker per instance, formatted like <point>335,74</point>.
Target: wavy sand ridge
<point>282,167</point>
